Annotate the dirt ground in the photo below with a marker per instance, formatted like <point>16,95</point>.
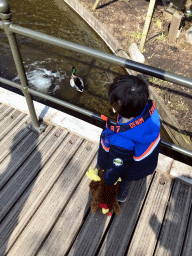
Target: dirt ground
<point>125,21</point>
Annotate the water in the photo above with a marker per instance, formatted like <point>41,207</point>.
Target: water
<point>48,68</point>
<point>41,79</point>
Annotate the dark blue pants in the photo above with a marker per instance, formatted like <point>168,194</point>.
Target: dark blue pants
<point>123,190</point>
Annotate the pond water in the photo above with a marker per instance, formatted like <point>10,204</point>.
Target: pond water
<point>48,68</point>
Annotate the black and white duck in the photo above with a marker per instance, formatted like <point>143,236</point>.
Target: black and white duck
<point>76,82</point>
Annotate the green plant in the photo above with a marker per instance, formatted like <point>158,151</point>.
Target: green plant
<point>158,23</point>
<point>162,36</point>
<point>180,107</point>
<point>153,80</point>
<point>137,35</point>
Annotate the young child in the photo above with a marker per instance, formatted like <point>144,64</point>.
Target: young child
<point>129,149</point>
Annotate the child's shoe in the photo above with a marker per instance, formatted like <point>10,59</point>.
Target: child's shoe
<point>121,199</point>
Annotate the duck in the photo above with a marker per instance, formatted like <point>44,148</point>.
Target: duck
<point>76,82</point>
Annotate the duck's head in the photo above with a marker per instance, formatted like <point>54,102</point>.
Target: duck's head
<point>73,70</point>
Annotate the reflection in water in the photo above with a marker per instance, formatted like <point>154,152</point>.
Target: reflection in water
<point>48,68</point>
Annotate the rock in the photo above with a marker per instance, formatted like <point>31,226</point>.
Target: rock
<point>135,53</point>
<point>188,35</point>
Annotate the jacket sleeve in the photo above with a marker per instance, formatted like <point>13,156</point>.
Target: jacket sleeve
<point>119,159</point>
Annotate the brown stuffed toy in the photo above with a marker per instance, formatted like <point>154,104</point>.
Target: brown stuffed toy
<point>104,196</point>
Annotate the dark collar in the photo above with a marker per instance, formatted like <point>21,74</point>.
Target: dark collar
<point>132,124</point>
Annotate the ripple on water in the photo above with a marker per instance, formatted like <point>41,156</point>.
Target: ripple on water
<point>42,79</point>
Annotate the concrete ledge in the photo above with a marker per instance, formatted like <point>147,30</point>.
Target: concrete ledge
<point>52,116</point>
<point>94,24</point>
<point>181,172</point>
<point>173,169</point>
<point>164,165</point>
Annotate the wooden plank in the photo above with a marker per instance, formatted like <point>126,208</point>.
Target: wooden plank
<point>164,165</point>
<point>19,154</point>
<point>121,230</point>
<point>70,221</point>
<point>168,13</point>
<point>28,205</point>
<point>9,230</point>
<point>10,141</point>
<point>187,248</point>
<point>175,23</point>
<point>51,208</point>
<point>28,171</point>
<point>5,111</point>
<point>9,122</point>
<point>147,229</point>
<point>175,223</point>
<point>95,4</point>
<point>182,172</point>
<point>2,107</point>
<point>25,208</point>
<point>90,235</point>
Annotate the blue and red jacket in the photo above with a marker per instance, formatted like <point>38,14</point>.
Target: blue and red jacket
<point>130,150</point>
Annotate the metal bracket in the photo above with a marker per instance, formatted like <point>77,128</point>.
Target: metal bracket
<point>6,16</point>
<point>38,130</point>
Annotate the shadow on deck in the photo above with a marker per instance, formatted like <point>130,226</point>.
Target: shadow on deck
<point>44,200</point>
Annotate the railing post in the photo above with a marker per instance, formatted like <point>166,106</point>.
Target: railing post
<point>5,15</point>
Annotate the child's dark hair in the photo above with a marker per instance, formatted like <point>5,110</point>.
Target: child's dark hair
<point>128,95</point>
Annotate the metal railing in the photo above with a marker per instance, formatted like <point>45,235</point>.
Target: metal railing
<point>10,30</point>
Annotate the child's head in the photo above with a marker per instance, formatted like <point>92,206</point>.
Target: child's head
<point>128,95</point>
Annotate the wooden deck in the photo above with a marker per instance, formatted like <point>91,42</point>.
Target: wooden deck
<point>45,201</point>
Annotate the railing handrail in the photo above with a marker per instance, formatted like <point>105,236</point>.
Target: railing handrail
<point>55,100</point>
<point>126,63</point>
<point>10,29</point>
<point>89,113</point>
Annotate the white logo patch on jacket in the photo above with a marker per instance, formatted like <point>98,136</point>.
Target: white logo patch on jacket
<point>118,162</point>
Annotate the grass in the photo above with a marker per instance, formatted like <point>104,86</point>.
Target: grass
<point>186,45</point>
<point>158,23</point>
<point>162,37</point>
<point>180,107</point>
<point>153,80</point>
<point>137,35</point>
